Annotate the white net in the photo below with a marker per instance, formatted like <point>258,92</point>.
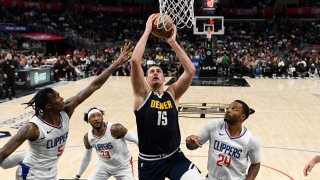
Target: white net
<point>181,12</point>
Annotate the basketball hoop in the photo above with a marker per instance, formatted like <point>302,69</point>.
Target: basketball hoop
<point>181,12</point>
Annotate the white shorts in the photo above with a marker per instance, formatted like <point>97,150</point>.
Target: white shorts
<point>102,173</point>
<point>25,172</point>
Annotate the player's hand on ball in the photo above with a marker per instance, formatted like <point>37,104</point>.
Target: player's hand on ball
<point>149,22</point>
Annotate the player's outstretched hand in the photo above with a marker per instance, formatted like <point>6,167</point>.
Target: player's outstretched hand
<point>125,54</point>
<point>307,169</point>
<point>192,142</point>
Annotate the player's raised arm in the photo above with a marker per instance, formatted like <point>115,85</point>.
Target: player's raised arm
<point>182,84</point>
<point>140,87</point>
<point>74,101</point>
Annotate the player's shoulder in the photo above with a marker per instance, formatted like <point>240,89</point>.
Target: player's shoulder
<point>89,133</point>
<point>35,119</point>
<point>114,128</point>
<point>86,135</point>
<point>110,124</point>
<point>253,140</point>
<point>64,114</point>
<point>215,124</point>
<point>31,126</point>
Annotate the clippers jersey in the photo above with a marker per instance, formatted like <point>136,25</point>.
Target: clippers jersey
<point>113,153</point>
<point>228,156</point>
<point>157,124</point>
<point>46,150</point>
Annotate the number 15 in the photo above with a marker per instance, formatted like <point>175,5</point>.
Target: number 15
<point>162,118</point>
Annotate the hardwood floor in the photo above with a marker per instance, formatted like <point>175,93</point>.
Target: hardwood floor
<point>287,122</point>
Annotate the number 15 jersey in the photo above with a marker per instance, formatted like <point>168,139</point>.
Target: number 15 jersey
<point>157,124</point>
<point>228,156</point>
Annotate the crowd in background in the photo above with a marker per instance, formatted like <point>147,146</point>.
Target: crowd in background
<point>278,47</point>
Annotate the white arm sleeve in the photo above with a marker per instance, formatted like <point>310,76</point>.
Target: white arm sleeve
<point>13,160</point>
<point>85,161</point>
<point>132,137</point>
<point>254,152</point>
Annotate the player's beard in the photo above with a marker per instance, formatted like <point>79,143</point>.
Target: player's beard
<point>97,126</point>
<point>228,119</point>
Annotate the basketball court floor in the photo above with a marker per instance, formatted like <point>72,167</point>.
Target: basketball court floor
<point>287,122</point>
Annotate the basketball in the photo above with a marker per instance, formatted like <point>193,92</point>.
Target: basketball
<point>163,30</point>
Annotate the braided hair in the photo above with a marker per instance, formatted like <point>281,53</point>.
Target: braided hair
<point>86,118</point>
<point>40,100</point>
<point>247,111</point>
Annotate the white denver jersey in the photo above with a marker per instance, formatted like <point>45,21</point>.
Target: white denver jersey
<point>113,153</point>
<point>228,156</point>
<point>46,150</point>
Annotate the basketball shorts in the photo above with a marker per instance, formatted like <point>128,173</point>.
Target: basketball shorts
<point>102,173</point>
<point>172,167</point>
<point>25,172</point>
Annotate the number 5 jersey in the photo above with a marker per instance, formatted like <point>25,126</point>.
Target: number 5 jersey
<point>43,154</point>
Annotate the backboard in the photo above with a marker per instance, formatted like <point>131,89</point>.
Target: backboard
<point>208,25</point>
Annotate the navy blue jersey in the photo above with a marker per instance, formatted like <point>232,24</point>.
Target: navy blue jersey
<point>157,124</point>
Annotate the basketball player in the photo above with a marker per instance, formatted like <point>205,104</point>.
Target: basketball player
<point>231,144</point>
<point>307,169</point>
<point>157,115</point>
<point>109,142</point>
<point>47,131</point>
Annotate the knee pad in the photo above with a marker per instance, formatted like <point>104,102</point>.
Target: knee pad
<point>192,174</point>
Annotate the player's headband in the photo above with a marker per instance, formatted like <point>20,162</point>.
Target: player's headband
<point>93,111</point>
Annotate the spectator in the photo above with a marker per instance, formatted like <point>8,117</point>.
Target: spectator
<point>9,69</point>
<point>312,73</point>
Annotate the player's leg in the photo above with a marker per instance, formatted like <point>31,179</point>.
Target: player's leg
<point>191,174</point>
<point>99,173</point>
<point>182,168</point>
<point>125,173</point>
<point>207,177</point>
